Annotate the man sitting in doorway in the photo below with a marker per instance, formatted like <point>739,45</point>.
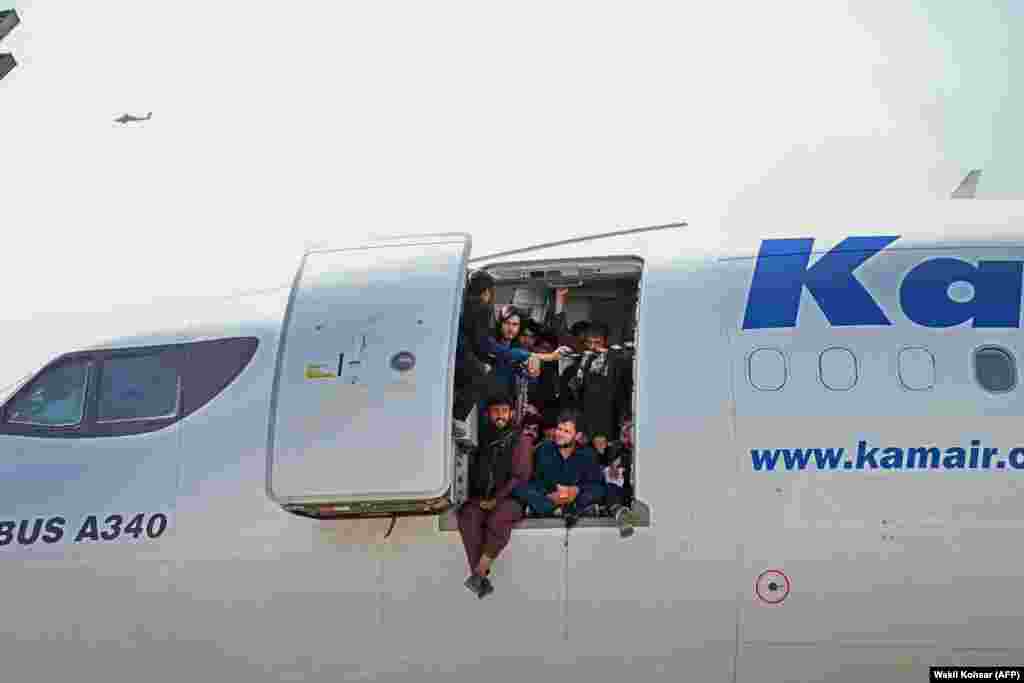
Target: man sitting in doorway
<point>501,463</point>
<point>567,479</point>
<point>531,427</point>
<point>616,461</point>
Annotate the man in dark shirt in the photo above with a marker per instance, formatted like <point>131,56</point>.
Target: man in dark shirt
<point>566,477</point>
<point>476,325</point>
<point>557,323</point>
<point>532,426</point>
<point>501,463</point>
<point>599,385</point>
<point>543,388</point>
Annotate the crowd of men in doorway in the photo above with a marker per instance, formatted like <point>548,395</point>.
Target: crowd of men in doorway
<point>550,444</point>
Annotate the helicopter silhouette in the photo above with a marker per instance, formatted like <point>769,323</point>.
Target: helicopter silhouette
<point>125,118</point>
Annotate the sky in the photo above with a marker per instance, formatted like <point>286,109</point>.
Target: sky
<point>277,125</point>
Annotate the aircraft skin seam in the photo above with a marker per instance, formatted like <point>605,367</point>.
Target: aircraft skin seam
<point>730,344</point>
<point>276,384</point>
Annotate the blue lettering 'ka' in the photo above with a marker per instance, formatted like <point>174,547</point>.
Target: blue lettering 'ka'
<point>924,294</point>
<point>781,274</point>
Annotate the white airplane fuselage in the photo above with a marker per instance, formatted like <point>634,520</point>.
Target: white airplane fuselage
<point>753,568</point>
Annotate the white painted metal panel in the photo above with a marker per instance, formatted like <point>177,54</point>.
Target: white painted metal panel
<point>881,556</point>
<point>363,403</point>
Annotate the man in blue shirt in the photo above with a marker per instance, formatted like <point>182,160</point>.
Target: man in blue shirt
<point>478,348</point>
<point>567,480</point>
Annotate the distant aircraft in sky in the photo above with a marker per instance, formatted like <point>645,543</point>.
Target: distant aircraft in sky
<point>125,118</point>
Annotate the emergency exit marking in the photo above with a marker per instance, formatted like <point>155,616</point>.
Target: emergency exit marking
<point>318,371</point>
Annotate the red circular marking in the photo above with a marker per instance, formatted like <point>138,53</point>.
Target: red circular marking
<point>757,586</point>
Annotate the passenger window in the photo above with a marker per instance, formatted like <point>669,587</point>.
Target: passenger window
<point>138,388</point>
<point>766,369</point>
<point>55,399</point>
<point>995,369</point>
<point>837,368</point>
<point>917,369</point>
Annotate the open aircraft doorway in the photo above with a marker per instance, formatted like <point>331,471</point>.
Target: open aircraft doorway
<point>367,362</point>
<point>555,302</point>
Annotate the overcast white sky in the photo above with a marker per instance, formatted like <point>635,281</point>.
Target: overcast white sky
<point>278,123</point>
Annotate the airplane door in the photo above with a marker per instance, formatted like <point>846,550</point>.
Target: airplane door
<point>362,398</point>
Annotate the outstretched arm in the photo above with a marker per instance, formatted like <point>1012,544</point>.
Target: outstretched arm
<point>554,355</point>
<point>508,354</point>
<point>556,320</point>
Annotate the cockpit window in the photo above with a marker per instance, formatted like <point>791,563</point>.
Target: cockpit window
<point>138,388</point>
<point>125,391</point>
<point>55,399</point>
